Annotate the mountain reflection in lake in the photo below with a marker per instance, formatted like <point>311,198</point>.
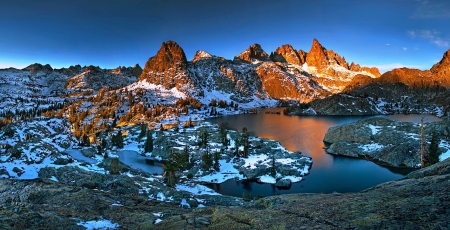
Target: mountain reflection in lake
<point>305,133</point>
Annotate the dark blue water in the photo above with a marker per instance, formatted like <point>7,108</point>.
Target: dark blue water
<point>305,134</point>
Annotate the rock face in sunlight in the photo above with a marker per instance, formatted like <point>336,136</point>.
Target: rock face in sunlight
<point>331,70</point>
<point>254,53</point>
<point>287,53</point>
<point>409,91</point>
<point>442,70</point>
<point>168,67</point>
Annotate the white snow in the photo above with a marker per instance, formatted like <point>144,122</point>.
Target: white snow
<point>227,171</point>
<point>196,189</point>
<point>98,224</point>
<point>184,204</point>
<point>374,129</point>
<point>371,147</point>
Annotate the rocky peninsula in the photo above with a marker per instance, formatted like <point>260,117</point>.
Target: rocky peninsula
<point>385,141</point>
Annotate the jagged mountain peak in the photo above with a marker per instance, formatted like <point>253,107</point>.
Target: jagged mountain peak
<point>168,67</point>
<point>254,53</point>
<point>317,55</point>
<point>287,53</point>
<point>38,67</point>
<point>200,54</point>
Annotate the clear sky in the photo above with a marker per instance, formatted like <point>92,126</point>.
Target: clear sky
<point>111,33</point>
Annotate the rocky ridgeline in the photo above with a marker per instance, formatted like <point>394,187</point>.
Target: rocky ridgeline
<point>400,90</point>
<point>385,141</point>
<point>253,72</point>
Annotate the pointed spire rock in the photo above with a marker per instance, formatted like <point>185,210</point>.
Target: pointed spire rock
<point>253,53</point>
<point>317,56</point>
<point>168,67</point>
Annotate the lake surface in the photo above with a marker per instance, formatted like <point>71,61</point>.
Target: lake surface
<point>137,161</point>
<point>305,134</point>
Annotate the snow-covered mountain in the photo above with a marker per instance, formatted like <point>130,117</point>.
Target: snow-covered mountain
<point>400,90</point>
<point>286,75</point>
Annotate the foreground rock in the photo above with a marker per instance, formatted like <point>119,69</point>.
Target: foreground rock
<point>418,201</point>
<point>384,141</point>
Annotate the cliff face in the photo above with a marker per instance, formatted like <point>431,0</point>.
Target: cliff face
<point>286,74</point>
<point>168,67</point>
<point>254,53</point>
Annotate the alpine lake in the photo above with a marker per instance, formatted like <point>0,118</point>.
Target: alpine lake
<point>328,173</point>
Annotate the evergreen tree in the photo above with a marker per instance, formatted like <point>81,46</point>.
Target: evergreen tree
<point>433,150</point>
<point>273,171</point>
<point>104,143</point>
<point>204,138</point>
<point>216,161</point>
<point>207,160</point>
<point>117,139</point>
<point>170,167</point>
<point>148,146</point>
<point>245,136</point>
<point>223,133</point>
<point>143,131</point>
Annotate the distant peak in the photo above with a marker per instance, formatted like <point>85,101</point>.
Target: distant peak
<point>38,67</point>
<point>200,54</point>
<point>254,53</point>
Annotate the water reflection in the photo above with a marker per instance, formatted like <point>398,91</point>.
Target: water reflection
<point>137,161</point>
<point>329,173</point>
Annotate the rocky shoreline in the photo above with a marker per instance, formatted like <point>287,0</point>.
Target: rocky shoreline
<point>385,141</point>
<point>80,197</point>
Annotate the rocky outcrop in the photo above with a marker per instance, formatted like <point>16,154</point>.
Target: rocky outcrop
<point>418,201</point>
<point>199,55</point>
<point>254,53</point>
<point>168,67</point>
<point>34,68</point>
<point>286,53</point>
<point>317,56</point>
<point>401,90</point>
<point>302,55</point>
<point>288,84</point>
<point>383,141</point>
<point>93,78</point>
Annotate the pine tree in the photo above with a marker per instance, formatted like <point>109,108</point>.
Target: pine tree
<point>148,146</point>
<point>433,150</point>
<point>143,131</point>
<point>216,161</point>
<point>204,138</point>
<point>245,136</point>
<point>223,133</point>
<point>273,171</point>
<point>207,160</point>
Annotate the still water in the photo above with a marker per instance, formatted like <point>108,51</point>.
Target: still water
<point>305,134</point>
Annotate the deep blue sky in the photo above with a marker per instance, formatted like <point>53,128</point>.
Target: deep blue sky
<point>111,33</point>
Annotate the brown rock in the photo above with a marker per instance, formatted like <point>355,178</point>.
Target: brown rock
<point>302,56</point>
<point>288,53</point>
<point>253,53</point>
<point>199,55</point>
<point>442,69</point>
<point>317,56</point>
<point>168,67</point>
